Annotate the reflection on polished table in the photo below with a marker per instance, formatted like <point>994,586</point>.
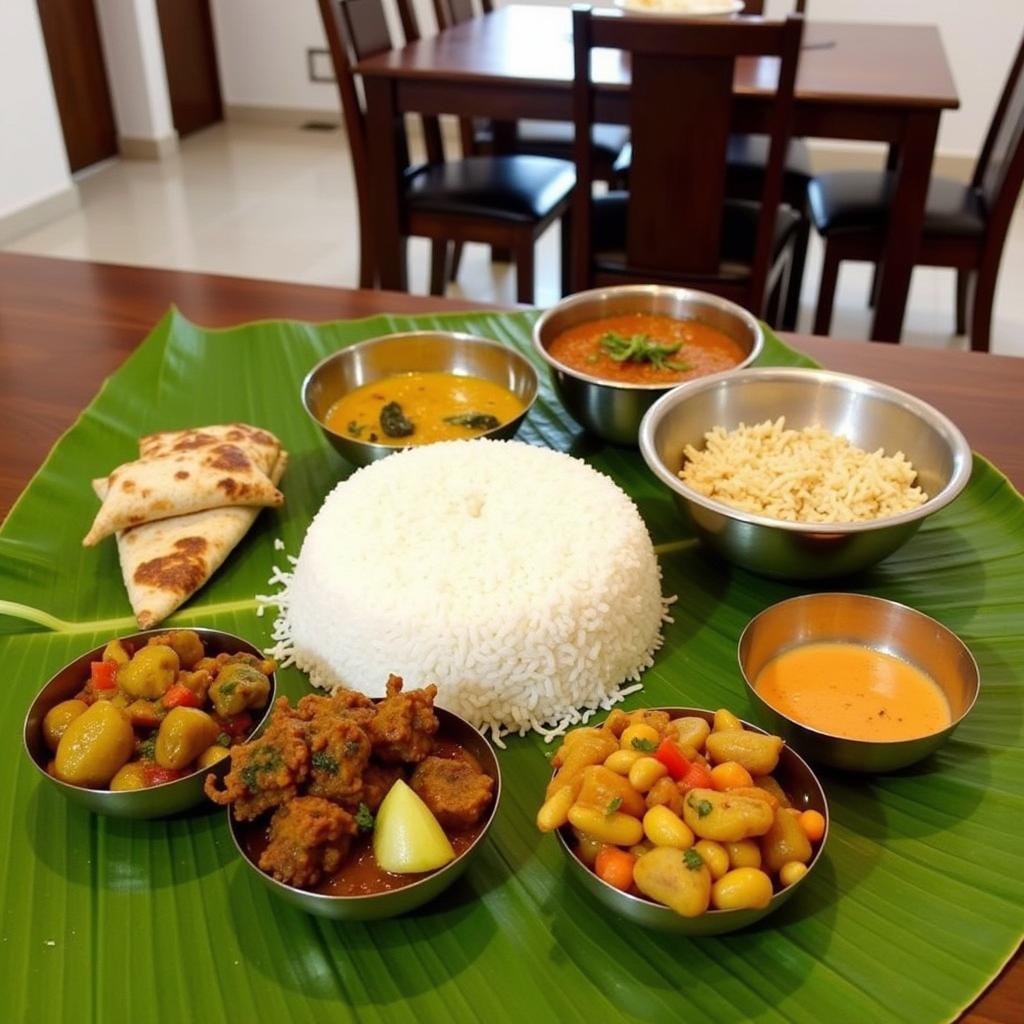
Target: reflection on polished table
<point>882,83</point>
<point>65,325</point>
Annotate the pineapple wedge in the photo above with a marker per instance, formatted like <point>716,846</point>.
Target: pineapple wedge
<point>407,837</point>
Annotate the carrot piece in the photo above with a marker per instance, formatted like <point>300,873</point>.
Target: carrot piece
<point>179,695</point>
<point>615,867</point>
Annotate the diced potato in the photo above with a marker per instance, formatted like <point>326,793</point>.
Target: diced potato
<point>758,753</point>
<point>725,817</point>
<point>679,879</point>
<point>785,841</point>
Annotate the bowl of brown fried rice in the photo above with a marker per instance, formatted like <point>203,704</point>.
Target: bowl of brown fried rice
<point>803,474</point>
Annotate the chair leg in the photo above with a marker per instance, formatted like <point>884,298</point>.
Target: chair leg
<point>367,271</point>
<point>876,283</point>
<point>453,270</point>
<point>499,255</point>
<point>963,287</point>
<point>566,252</point>
<point>438,266</point>
<point>826,291</point>
<point>524,271</point>
<point>981,308</point>
<point>796,274</point>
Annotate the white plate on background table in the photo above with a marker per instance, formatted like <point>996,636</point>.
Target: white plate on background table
<point>681,8</point>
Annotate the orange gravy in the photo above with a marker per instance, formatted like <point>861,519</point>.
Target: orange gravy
<point>853,691</point>
<point>702,349</point>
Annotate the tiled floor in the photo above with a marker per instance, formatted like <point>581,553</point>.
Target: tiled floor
<point>276,202</point>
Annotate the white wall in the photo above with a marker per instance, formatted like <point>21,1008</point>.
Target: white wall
<point>33,162</point>
<point>262,50</point>
<point>134,57</point>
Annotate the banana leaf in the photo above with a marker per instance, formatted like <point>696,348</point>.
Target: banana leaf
<point>915,908</point>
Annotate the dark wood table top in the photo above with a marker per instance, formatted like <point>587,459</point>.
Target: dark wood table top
<point>65,325</point>
<point>885,65</point>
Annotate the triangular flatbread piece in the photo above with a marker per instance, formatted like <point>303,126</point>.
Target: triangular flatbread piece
<point>260,445</point>
<point>164,563</point>
<point>178,484</point>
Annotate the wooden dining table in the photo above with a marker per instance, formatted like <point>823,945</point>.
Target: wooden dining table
<point>865,82</point>
<point>65,325</point>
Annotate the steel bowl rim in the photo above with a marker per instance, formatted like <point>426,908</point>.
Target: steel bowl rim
<point>368,343</point>
<point>327,899</point>
<point>581,298</point>
<point>643,901</point>
<point>960,449</point>
<point>871,598</point>
<point>128,794</point>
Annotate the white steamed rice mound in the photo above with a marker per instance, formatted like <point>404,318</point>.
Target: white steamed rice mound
<point>518,579</point>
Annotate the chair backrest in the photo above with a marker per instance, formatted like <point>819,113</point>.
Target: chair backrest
<point>455,12</point>
<point>999,172</point>
<point>680,116</point>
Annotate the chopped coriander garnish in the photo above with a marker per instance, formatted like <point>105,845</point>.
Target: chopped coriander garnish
<point>613,805</point>
<point>693,860</point>
<point>355,429</point>
<point>323,762</point>
<point>702,807</point>
<point>352,748</point>
<point>364,819</point>
<point>224,739</point>
<point>639,348</point>
<point>646,746</point>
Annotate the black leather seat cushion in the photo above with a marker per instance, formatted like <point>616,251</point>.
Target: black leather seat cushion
<point>739,228</point>
<point>555,138</point>
<point>519,189</point>
<point>857,202</point>
<point>748,155</point>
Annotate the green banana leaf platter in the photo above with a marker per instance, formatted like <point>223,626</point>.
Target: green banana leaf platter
<point>918,903</point>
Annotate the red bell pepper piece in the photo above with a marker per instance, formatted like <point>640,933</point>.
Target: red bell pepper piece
<point>237,726</point>
<point>103,674</point>
<point>698,777</point>
<point>669,755</point>
<point>157,776</point>
<point>180,696</point>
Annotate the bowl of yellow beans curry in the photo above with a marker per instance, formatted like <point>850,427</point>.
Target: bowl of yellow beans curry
<point>132,727</point>
<point>685,820</point>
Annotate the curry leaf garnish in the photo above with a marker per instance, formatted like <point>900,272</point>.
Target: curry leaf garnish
<point>702,807</point>
<point>693,860</point>
<point>364,819</point>
<point>640,348</point>
<point>639,743</point>
<point>613,805</point>
<point>474,420</point>
<point>224,739</point>
<point>394,422</point>
<point>355,429</point>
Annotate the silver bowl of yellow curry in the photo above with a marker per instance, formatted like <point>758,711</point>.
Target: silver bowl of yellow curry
<point>132,727</point>
<point>385,394</point>
<point>684,820</point>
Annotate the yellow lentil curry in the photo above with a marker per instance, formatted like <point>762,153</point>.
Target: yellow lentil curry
<point>419,408</point>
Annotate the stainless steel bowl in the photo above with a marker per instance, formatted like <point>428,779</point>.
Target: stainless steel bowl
<point>612,410</point>
<point>800,783</point>
<point>874,622</point>
<point>869,414</point>
<point>155,801</point>
<point>413,352</point>
<point>409,897</point>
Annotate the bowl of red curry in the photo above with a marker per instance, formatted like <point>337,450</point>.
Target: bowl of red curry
<point>306,799</point>
<point>614,351</point>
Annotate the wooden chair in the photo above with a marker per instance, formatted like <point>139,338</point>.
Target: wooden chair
<point>676,224</point>
<point>505,201</point>
<point>537,138</point>
<point>964,225</point>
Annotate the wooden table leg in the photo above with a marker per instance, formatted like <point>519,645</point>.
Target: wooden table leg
<point>903,236</point>
<point>386,158</point>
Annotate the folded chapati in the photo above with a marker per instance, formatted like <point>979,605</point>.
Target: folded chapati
<point>260,445</point>
<point>204,476</point>
<point>165,562</point>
